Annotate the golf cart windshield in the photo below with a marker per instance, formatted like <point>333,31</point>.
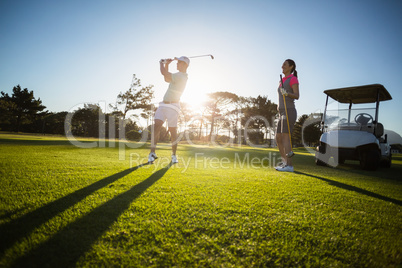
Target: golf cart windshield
<point>354,119</point>
<point>345,114</point>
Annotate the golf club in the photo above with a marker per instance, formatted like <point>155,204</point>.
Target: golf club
<point>209,55</point>
<point>291,153</point>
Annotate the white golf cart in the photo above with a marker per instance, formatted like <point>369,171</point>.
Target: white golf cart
<point>354,134</point>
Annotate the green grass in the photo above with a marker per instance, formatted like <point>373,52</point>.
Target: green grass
<point>63,206</point>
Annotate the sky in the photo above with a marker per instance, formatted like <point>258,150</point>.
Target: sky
<point>74,52</point>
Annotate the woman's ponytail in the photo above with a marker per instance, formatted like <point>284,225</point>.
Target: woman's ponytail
<point>295,73</point>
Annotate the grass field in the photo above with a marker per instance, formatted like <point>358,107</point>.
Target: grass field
<point>63,206</point>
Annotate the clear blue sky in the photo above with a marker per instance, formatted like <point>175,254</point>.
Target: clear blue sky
<point>71,52</point>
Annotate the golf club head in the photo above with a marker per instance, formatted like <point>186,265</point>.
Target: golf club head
<point>212,57</point>
<point>290,154</point>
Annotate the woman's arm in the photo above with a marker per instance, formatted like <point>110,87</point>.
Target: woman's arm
<point>295,95</point>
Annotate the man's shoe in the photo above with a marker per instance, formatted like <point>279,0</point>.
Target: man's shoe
<point>286,168</point>
<point>152,157</point>
<point>174,159</point>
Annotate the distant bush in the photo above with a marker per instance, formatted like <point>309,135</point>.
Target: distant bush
<point>133,135</point>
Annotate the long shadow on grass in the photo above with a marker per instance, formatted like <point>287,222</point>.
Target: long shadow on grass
<point>13,231</point>
<point>67,246</point>
<point>393,173</point>
<point>61,142</point>
<point>353,188</point>
<point>51,142</point>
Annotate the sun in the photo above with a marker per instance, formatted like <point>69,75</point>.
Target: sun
<point>202,79</point>
<point>194,98</point>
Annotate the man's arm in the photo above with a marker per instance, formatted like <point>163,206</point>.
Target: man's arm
<point>164,67</point>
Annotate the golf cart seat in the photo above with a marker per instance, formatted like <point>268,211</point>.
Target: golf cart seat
<point>379,130</point>
<point>376,129</point>
<point>348,126</point>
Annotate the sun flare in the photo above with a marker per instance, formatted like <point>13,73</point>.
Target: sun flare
<point>202,79</point>
<point>194,98</point>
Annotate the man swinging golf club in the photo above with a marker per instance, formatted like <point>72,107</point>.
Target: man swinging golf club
<point>169,108</point>
<point>288,92</point>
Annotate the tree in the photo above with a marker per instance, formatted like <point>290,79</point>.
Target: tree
<point>307,129</point>
<point>54,123</point>
<point>21,108</point>
<point>112,124</point>
<point>186,114</point>
<point>262,112</point>
<point>132,131</point>
<point>235,117</point>
<point>85,121</point>
<point>218,105</point>
<point>6,108</point>
<point>147,113</point>
<point>136,97</point>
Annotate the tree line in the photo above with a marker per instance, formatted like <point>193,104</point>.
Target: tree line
<point>224,117</point>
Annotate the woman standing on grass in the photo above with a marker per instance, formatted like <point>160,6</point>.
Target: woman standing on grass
<point>289,93</point>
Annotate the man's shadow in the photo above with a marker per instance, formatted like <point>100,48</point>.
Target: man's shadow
<point>68,245</point>
<point>13,231</point>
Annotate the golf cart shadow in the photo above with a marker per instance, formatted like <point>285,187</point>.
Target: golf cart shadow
<point>353,188</point>
<point>353,166</point>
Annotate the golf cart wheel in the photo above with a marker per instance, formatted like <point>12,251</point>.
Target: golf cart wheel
<point>322,155</point>
<point>318,162</point>
<point>341,160</point>
<point>386,163</point>
<point>370,160</point>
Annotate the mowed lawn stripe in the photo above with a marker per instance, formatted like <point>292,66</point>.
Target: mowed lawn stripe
<point>214,208</point>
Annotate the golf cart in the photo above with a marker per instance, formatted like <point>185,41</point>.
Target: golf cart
<point>354,134</point>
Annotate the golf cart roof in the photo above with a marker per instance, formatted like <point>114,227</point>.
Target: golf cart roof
<point>359,94</point>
